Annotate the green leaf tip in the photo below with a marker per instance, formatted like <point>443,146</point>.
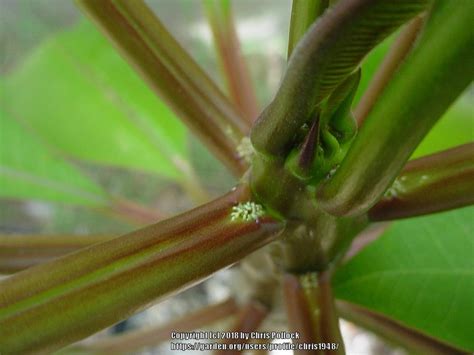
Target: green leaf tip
<point>247,211</point>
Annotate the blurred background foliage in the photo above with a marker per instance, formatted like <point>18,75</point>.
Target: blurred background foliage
<point>79,130</point>
<point>92,128</point>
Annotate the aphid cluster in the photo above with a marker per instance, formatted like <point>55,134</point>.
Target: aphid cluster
<point>247,211</point>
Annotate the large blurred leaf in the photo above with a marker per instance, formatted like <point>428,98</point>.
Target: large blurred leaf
<point>29,170</point>
<point>78,93</point>
<point>456,127</point>
<point>421,273</point>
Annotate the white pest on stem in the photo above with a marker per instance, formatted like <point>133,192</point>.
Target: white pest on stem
<point>247,211</point>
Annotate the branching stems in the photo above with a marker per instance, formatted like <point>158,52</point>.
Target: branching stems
<point>172,74</point>
<point>408,108</point>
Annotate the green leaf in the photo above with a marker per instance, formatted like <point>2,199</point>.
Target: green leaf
<point>451,130</point>
<point>28,170</point>
<point>172,74</point>
<point>370,65</point>
<point>80,96</point>
<point>421,273</point>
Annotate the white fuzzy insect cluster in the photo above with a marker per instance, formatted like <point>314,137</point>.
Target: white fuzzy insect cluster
<point>245,149</point>
<point>309,281</point>
<point>247,211</point>
<point>392,191</point>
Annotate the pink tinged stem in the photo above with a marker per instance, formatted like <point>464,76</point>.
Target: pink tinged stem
<point>54,304</point>
<point>389,329</point>
<point>430,184</point>
<point>152,336</point>
<point>19,252</point>
<point>249,319</point>
<point>234,66</point>
<point>172,74</point>
<point>311,313</point>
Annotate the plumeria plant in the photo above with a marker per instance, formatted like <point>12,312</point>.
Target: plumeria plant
<point>317,171</point>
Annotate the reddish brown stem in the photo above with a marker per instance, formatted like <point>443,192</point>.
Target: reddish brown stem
<point>126,274</point>
<point>19,252</point>
<point>365,238</point>
<point>388,67</point>
<point>248,320</point>
<point>135,212</point>
<point>389,329</point>
<point>172,74</point>
<point>152,336</point>
<point>231,59</point>
<point>430,184</point>
<point>311,312</point>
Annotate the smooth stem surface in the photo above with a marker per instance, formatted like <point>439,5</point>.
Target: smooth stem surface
<point>387,328</point>
<point>51,305</point>
<point>436,72</point>
<point>303,14</point>
<point>234,67</point>
<point>19,252</point>
<point>311,313</point>
<point>134,212</point>
<point>399,50</point>
<point>364,239</point>
<point>172,74</point>
<point>430,184</point>
<point>152,336</point>
<point>249,318</point>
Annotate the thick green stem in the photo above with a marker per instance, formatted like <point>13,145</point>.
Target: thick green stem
<point>172,74</point>
<point>152,336</point>
<point>312,238</point>
<point>311,313</point>
<point>399,50</point>
<point>432,77</point>
<point>19,252</point>
<point>330,51</point>
<point>434,183</point>
<point>237,75</point>
<point>56,303</point>
<point>411,339</point>
<point>303,14</point>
